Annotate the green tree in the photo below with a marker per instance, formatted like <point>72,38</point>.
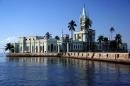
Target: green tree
<point>47,35</point>
<point>100,40</point>
<point>57,37</point>
<point>71,26</point>
<point>111,31</point>
<point>105,40</point>
<point>88,23</point>
<point>9,47</point>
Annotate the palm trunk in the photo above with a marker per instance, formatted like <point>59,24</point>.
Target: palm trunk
<point>72,34</point>
<point>71,45</point>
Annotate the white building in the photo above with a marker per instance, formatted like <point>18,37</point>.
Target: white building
<point>37,44</point>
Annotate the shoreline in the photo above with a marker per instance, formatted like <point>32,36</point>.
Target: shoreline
<point>122,58</point>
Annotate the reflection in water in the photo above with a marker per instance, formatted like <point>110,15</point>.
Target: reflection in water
<point>39,71</point>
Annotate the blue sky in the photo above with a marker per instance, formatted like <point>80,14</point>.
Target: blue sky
<point>36,17</point>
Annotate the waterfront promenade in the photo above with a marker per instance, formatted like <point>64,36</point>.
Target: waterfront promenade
<point>96,56</point>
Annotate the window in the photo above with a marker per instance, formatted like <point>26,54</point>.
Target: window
<point>78,46</point>
<point>40,48</point>
<point>43,48</point>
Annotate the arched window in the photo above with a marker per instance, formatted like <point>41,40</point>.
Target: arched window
<point>51,47</point>
<point>43,48</point>
<point>40,48</point>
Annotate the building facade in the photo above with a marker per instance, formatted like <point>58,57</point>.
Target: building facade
<point>37,44</point>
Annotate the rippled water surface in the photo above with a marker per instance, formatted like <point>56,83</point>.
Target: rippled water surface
<point>37,71</point>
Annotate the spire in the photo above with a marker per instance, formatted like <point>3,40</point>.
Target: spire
<point>84,12</point>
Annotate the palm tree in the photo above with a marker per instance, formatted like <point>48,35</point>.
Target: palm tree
<point>47,35</point>
<point>9,47</point>
<point>111,31</point>
<point>118,40</point>
<point>106,39</point>
<point>57,37</point>
<point>71,26</point>
<point>88,23</point>
<point>100,40</point>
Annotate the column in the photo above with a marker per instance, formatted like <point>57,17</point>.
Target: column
<point>45,47</point>
<point>58,48</point>
<point>82,36</point>
<point>67,47</point>
<point>39,47</point>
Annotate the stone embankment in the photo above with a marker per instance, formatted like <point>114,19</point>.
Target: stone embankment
<point>32,54</point>
<point>96,56</point>
<point>100,56</point>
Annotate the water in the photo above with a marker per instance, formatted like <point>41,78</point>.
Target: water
<point>38,71</point>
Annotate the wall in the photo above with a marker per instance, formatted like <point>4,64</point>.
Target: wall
<point>117,57</point>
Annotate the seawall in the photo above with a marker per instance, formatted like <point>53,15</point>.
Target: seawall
<point>96,56</point>
<point>32,54</point>
<point>100,56</point>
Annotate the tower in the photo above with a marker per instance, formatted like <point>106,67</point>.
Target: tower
<point>83,19</point>
<point>86,34</point>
